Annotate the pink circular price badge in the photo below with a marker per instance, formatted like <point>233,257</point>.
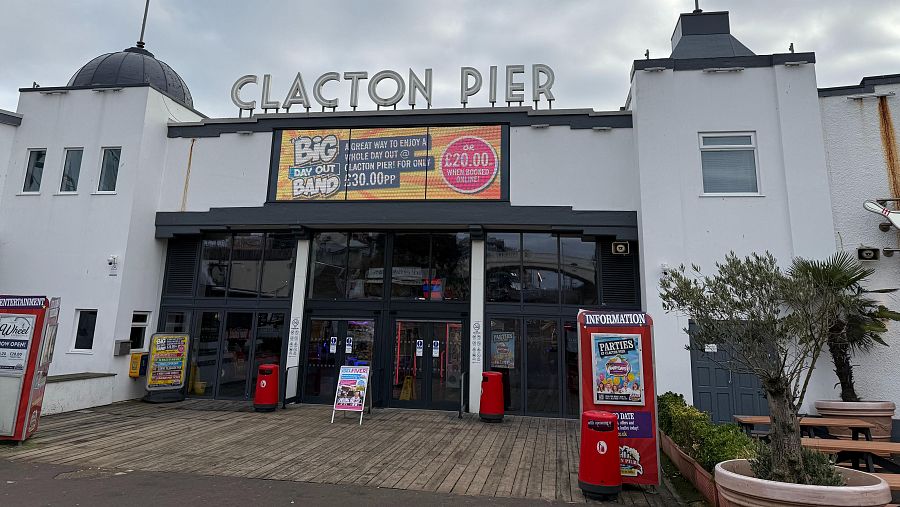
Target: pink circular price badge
<point>469,165</point>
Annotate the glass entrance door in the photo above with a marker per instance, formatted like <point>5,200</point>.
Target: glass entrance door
<point>427,364</point>
<point>333,343</point>
<point>227,349</point>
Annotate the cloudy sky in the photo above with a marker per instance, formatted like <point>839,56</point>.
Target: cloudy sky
<point>589,44</point>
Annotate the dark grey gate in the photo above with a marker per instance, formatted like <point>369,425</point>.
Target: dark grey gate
<point>719,392</point>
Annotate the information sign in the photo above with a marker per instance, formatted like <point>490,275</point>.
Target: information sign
<point>167,365</point>
<point>616,369</point>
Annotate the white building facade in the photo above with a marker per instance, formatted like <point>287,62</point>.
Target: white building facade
<point>716,150</point>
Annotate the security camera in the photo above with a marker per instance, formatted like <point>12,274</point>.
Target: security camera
<point>112,260</point>
<point>865,253</point>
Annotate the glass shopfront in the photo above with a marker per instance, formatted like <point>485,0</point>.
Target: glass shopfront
<point>409,291</point>
<point>397,301</point>
<point>535,285</point>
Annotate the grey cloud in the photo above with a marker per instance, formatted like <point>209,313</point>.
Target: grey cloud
<point>590,45</point>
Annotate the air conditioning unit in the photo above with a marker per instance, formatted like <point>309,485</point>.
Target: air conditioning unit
<point>122,348</point>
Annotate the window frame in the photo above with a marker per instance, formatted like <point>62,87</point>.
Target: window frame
<point>28,152</point>
<point>62,177</point>
<point>78,311</point>
<point>103,151</point>
<point>144,325</point>
<point>753,146</point>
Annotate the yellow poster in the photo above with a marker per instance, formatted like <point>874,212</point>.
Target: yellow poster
<point>418,163</point>
<point>167,364</point>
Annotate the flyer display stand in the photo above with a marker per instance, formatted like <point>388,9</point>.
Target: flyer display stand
<point>27,338</point>
<point>617,374</point>
<point>350,395</point>
<point>167,367</point>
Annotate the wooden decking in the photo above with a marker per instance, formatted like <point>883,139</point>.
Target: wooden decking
<point>524,457</point>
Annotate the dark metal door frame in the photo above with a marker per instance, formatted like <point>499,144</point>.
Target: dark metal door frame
<point>339,354</point>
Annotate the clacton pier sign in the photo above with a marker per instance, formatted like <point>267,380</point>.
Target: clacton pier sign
<point>330,89</point>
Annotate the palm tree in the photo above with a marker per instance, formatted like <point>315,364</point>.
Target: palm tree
<point>858,322</point>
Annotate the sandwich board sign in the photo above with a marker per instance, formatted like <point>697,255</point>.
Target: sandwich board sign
<point>350,395</point>
<point>167,364</point>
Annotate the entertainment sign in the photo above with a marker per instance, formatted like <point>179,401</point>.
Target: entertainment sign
<point>418,163</point>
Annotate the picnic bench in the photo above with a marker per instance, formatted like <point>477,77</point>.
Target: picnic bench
<point>809,425</point>
<point>874,453</point>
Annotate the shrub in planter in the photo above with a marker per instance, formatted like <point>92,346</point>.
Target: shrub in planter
<point>723,442</point>
<point>665,403</point>
<point>776,323</point>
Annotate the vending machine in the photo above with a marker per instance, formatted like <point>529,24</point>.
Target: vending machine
<point>617,374</point>
<point>27,336</point>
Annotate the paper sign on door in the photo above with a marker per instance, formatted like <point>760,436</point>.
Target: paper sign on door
<point>420,345</point>
<point>348,345</point>
<point>333,346</point>
<point>435,348</point>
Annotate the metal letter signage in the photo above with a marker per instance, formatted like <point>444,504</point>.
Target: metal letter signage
<point>391,94</point>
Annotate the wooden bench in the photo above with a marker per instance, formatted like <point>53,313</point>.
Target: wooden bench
<point>893,480</point>
<point>873,452</point>
<point>857,426</point>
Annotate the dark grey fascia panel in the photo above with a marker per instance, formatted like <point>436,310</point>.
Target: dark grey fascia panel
<point>723,62</point>
<point>418,215</point>
<point>513,116</point>
<point>866,85</point>
<point>10,118</point>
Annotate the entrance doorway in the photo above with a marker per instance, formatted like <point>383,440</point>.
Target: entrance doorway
<point>227,349</point>
<point>427,364</point>
<point>334,343</point>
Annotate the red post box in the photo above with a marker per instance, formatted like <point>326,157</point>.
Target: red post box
<point>491,407</point>
<point>266,397</point>
<point>599,470</point>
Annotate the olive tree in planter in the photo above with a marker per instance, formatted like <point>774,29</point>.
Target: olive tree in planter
<point>776,325</point>
<point>856,327</point>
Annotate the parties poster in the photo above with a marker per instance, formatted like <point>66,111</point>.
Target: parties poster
<point>617,368</point>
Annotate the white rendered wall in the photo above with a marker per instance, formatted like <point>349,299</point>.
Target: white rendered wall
<point>7,136</point>
<point>79,394</point>
<point>583,168</point>
<point>231,170</point>
<point>680,226</point>
<point>58,245</point>
<point>858,172</point>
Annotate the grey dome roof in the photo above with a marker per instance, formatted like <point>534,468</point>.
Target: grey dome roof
<point>132,66</point>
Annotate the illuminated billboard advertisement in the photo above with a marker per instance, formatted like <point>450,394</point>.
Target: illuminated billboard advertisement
<point>375,164</point>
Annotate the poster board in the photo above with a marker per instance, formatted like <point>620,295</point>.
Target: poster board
<point>389,164</point>
<point>350,393</point>
<point>619,345</point>
<point>16,333</point>
<point>167,364</point>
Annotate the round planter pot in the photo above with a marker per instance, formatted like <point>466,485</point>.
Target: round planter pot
<point>738,487</point>
<point>878,413</point>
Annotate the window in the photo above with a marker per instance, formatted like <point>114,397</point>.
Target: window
<point>214,261</point>
<point>540,276</point>
<point>177,322</point>
<point>503,262</point>
<point>329,266</point>
<point>365,266</point>
<point>729,163</point>
<point>278,266</point>
<point>71,170</point>
<point>34,171</point>
<point>246,260</point>
<point>109,169</point>
<point>139,323</point>
<point>578,264</point>
<point>84,331</point>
